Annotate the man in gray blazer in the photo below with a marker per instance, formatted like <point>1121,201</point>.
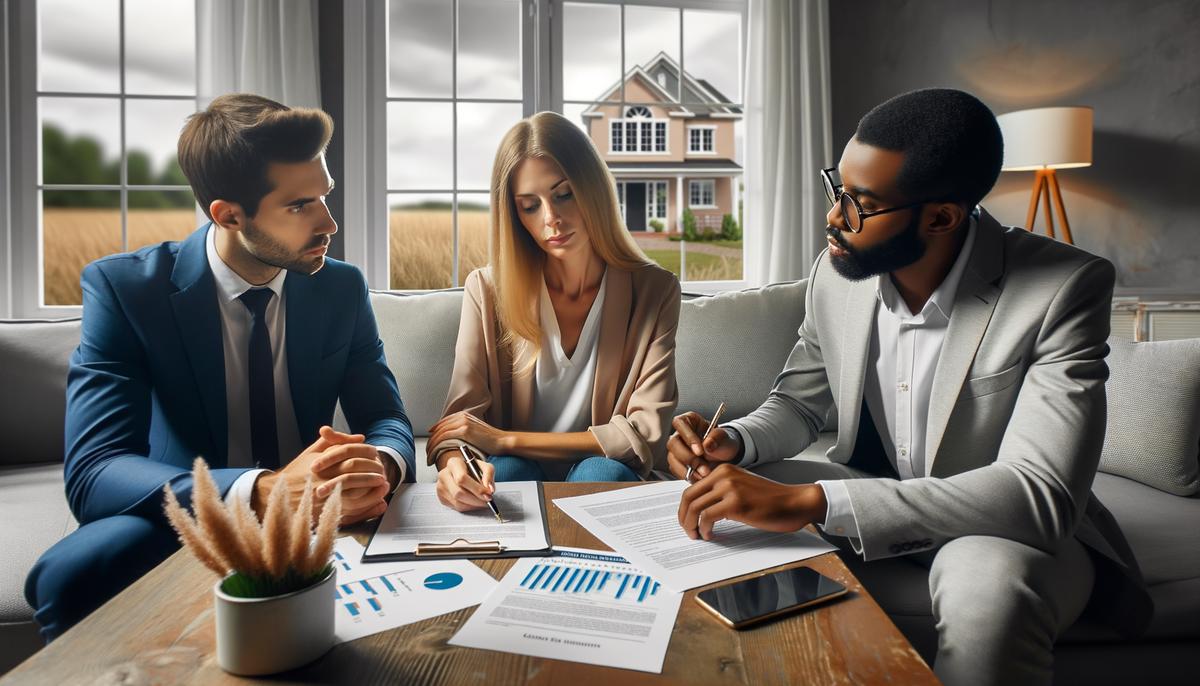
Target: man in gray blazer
<point>966,361</point>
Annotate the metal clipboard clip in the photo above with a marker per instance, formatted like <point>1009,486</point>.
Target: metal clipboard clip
<point>459,546</point>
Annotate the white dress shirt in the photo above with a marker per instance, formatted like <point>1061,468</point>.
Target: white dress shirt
<point>902,358</point>
<point>236,323</point>
<point>562,391</point>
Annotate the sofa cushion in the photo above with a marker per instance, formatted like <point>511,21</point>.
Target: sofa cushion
<point>418,333</point>
<point>1154,414</point>
<point>1163,531</point>
<point>730,347</point>
<point>34,378</point>
<point>33,509</point>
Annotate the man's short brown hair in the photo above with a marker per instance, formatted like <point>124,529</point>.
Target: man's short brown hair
<point>224,151</point>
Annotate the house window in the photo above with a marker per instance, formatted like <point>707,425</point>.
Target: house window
<point>701,193</point>
<point>112,84</point>
<point>700,139</point>
<point>638,132</point>
<point>657,207</point>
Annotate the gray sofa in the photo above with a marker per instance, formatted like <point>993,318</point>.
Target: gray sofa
<point>729,348</point>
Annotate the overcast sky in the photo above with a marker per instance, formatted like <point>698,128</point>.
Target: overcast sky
<point>79,53</point>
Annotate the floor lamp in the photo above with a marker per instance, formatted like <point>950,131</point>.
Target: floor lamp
<point>1044,140</point>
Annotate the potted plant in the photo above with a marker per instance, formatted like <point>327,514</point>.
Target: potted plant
<point>275,597</point>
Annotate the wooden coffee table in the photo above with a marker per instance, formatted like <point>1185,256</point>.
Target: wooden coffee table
<point>160,631</point>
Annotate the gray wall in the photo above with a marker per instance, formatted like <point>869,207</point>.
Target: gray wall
<point>1136,62</point>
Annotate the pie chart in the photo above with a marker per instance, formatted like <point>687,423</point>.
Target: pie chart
<point>442,581</point>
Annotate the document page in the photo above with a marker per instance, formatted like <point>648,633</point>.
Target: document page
<point>642,525</point>
<point>407,593</point>
<point>577,605</point>
<point>415,516</point>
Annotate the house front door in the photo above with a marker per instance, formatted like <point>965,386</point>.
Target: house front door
<point>635,206</point>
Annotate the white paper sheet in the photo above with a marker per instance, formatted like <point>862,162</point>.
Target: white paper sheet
<point>347,560</point>
<point>415,515</point>
<point>577,605</point>
<point>642,525</point>
<point>419,590</point>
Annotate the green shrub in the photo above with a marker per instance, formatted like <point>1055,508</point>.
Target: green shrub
<point>657,225</point>
<point>689,226</point>
<point>730,229</point>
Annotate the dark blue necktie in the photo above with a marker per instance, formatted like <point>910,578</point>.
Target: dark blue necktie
<point>264,443</point>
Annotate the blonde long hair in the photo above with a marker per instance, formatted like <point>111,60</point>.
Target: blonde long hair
<point>516,260</point>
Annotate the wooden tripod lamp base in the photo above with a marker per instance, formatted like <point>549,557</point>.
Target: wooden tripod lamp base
<point>1045,182</point>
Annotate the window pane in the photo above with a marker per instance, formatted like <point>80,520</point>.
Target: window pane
<point>421,250</point>
<point>489,49</point>
<point>419,145</point>
<point>157,216</point>
<point>712,53</point>
<point>419,42</point>
<point>480,128</point>
<point>79,46</point>
<point>81,140</point>
<point>78,227</point>
<point>151,135</point>
<point>714,260</point>
<point>652,43</point>
<point>160,47</point>
<point>473,221</point>
<point>591,51</point>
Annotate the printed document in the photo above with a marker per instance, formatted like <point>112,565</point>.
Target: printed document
<point>642,525</point>
<point>415,516</point>
<point>577,605</point>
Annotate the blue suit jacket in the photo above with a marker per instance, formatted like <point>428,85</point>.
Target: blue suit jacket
<point>146,386</point>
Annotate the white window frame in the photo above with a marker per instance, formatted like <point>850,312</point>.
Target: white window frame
<point>25,298</point>
<point>712,139</point>
<point>702,185</point>
<point>364,93</point>
<point>654,124</point>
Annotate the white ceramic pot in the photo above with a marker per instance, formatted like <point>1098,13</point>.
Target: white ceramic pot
<point>258,636</point>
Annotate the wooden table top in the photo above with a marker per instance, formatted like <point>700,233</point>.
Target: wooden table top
<point>160,631</point>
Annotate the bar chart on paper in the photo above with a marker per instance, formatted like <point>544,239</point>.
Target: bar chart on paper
<point>425,589</point>
<point>573,580</point>
<point>579,605</point>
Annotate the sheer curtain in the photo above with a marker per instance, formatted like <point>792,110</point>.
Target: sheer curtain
<point>268,47</point>
<point>788,137</point>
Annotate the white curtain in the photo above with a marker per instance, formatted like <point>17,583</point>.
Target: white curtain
<point>788,137</point>
<point>267,47</point>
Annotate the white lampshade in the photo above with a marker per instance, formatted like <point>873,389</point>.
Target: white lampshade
<point>1047,138</point>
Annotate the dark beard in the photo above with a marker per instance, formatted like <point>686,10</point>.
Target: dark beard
<point>895,253</point>
<point>267,250</point>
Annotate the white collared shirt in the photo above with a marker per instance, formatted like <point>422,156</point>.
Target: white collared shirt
<point>562,392</point>
<point>236,324</point>
<point>902,358</point>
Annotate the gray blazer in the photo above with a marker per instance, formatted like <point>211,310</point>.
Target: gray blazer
<point>1016,415</point>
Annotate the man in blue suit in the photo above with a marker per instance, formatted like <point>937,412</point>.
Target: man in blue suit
<point>234,345</point>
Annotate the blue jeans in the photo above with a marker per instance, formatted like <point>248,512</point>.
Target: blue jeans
<point>510,468</point>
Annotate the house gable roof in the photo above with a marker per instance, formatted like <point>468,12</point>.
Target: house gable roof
<point>708,100</point>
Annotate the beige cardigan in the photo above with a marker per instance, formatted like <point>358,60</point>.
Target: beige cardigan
<point>635,393</point>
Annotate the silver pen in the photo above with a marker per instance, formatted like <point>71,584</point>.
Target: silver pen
<point>478,476</point>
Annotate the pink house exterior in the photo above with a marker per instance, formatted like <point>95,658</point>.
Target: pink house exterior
<point>668,155</point>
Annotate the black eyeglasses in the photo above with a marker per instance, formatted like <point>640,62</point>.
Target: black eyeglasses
<point>852,212</point>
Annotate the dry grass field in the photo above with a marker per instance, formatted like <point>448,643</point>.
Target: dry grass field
<point>420,247</point>
<point>75,236</point>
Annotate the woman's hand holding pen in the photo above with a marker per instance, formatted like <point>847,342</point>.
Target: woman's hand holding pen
<point>688,448</point>
<point>456,487</point>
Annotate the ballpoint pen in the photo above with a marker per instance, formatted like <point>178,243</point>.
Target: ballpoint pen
<point>711,425</point>
<point>478,476</point>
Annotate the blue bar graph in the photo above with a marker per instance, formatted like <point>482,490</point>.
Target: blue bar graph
<point>387,584</point>
<point>367,586</point>
<point>353,608</point>
<point>552,578</point>
<point>374,603</point>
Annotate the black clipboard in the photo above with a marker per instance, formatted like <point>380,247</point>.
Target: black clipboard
<point>462,549</point>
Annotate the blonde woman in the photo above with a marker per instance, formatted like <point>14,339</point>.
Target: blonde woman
<point>565,363</point>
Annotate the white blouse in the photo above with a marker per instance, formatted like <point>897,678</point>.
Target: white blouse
<point>562,393</point>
